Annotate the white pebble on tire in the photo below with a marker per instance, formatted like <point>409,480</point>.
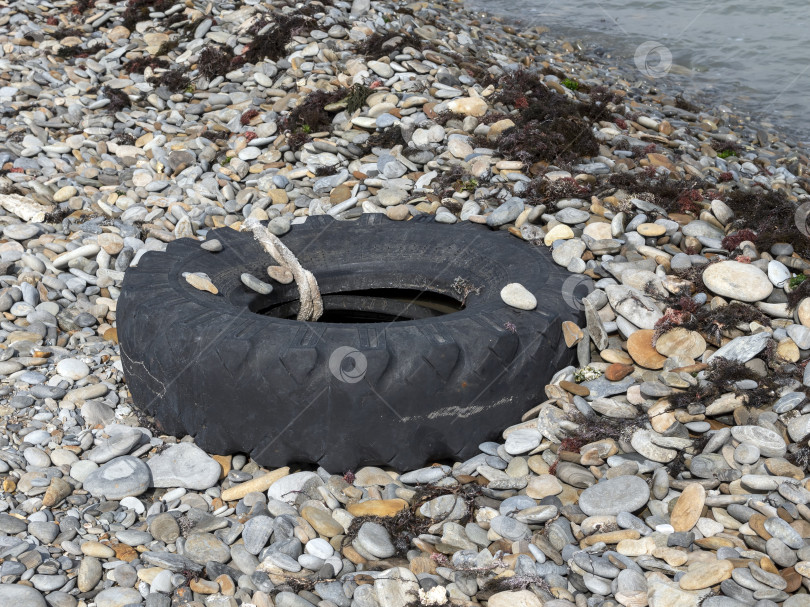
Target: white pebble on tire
<point>516,295</point>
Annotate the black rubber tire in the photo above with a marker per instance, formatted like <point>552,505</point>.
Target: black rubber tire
<point>433,389</point>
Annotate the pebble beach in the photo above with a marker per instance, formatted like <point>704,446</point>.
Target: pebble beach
<point>668,467</point>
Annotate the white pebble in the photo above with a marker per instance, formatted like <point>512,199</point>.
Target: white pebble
<point>518,296</point>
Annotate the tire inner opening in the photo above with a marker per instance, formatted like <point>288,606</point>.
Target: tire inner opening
<point>371,305</point>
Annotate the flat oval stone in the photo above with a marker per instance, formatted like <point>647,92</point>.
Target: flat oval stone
<point>20,231</point>
<point>688,508</point>
<point>620,494</point>
<point>780,553</point>
<point>72,368</point>
<point>510,528</point>
<point>642,443</point>
<point>522,441</point>
<point>799,427</point>
<point>769,443</point>
<point>613,408</point>
<point>204,547</point>
<point>642,351</point>
<point>681,342</point>
<point>746,453</point>
<point>740,281</point>
<point>120,477</point>
<point>24,596</point>
<point>781,530</point>
<point>536,514</point>
<point>516,295</point>
<point>788,402</point>
<point>115,597</point>
<point>374,539</point>
<point>705,574</point>
<point>213,245</point>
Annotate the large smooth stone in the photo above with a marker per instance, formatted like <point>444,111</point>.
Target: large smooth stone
<point>769,443</point>
<point>118,597</point>
<point>620,494</point>
<point>705,574</point>
<point>642,351</point>
<point>740,281</point>
<point>17,595</point>
<point>184,465</point>
<point>681,342</point>
<point>515,598</point>
<point>119,478</point>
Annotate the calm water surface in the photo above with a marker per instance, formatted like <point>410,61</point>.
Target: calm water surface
<point>751,56</point>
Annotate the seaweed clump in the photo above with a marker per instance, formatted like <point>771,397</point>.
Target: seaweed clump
<point>453,181</point>
<point>711,324</point>
<point>69,52</point>
<point>601,98</point>
<point>386,138</point>
<point>442,118</point>
<point>57,215</point>
<point>357,96</point>
<point>799,292</point>
<point>549,127</point>
<point>82,5</point>
<point>673,195</point>
<point>516,582</point>
<point>312,8</point>
<point>733,241</point>
<point>799,454</point>
<point>125,139</point>
<point>118,99</point>
<point>65,32</point>
<point>310,115</point>
<point>215,61</point>
<point>771,216</point>
<point>175,80</point>
<point>600,427</point>
<point>694,396</point>
<point>271,42</point>
<point>138,10</point>
<point>377,45</point>
<point>296,140</point>
<point>724,375</point>
<point>725,149</point>
<point>544,191</point>
<point>248,116</point>
<point>139,65</point>
<point>684,104</point>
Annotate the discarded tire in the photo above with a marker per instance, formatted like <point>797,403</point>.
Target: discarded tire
<point>387,376</point>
